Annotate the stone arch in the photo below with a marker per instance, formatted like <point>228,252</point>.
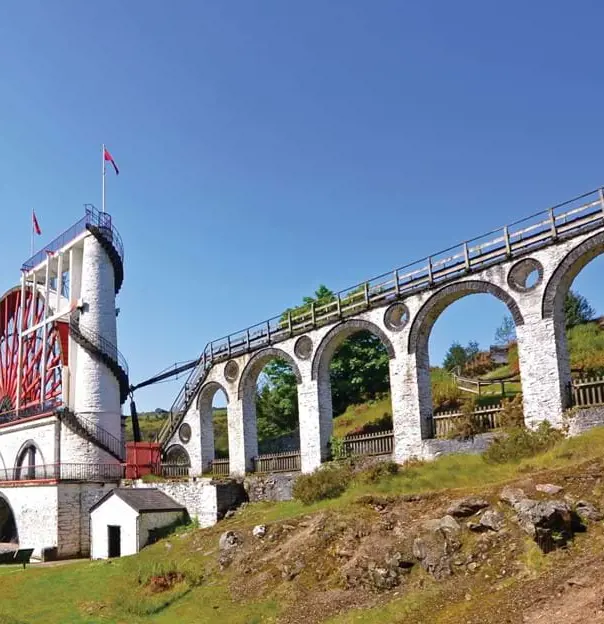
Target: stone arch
<point>22,454</point>
<point>208,391</point>
<point>428,314</point>
<point>8,522</point>
<point>258,361</point>
<point>177,454</point>
<point>561,279</point>
<point>336,336</point>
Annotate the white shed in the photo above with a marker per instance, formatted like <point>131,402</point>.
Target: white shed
<point>123,520</point>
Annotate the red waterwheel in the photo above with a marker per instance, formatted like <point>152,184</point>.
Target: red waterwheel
<point>12,310</point>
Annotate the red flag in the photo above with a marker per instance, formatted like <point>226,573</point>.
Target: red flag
<point>109,157</point>
<point>35,224</point>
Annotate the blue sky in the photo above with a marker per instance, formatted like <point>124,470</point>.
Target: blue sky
<point>268,147</point>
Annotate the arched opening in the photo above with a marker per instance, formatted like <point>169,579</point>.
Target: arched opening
<point>467,357</point>
<point>30,463</point>
<point>352,368</point>
<point>176,455</point>
<point>8,524</point>
<point>269,392</point>
<point>572,298</point>
<point>214,427</point>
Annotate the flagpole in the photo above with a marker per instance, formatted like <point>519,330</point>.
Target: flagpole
<point>32,234</point>
<point>103,176</point>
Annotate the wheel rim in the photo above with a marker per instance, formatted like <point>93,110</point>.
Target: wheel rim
<point>12,309</point>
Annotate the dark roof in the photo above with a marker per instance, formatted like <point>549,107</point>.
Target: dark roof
<point>143,500</point>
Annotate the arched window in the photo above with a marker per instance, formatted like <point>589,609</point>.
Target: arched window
<point>27,460</point>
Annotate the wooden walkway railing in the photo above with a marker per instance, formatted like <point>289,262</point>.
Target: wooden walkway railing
<point>174,470</point>
<point>278,462</point>
<point>587,391</point>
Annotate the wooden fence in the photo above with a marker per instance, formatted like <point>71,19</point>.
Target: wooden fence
<point>278,462</point>
<point>378,443</point>
<point>587,391</point>
<point>486,418</point>
<point>475,386</point>
<point>174,470</point>
<point>220,467</point>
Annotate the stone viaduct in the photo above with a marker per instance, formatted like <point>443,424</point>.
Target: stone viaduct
<point>529,266</point>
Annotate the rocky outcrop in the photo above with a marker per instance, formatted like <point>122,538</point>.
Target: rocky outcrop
<point>465,507</point>
<point>435,547</point>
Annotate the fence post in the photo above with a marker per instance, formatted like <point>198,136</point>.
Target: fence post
<point>601,193</point>
<point>247,338</point>
<point>268,331</point>
<point>229,346</point>
<point>508,246</point>
<point>430,276</point>
<point>367,294</point>
<point>397,290</point>
<point>466,253</point>
<point>553,223</point>
<point>313,318</point>
<point>289,322</point>
<point>339,306</point>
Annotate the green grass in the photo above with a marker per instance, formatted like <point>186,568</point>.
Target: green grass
<point>586,348</point>
<point>114,592</point>
<point>357,416</point>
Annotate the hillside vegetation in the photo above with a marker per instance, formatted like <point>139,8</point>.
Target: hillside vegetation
<point>354,558</point>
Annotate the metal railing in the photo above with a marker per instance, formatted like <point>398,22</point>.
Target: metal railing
<point>63,472</point>
<point>27,411</point>
<point>102,344</point>
<point>93,217</point>
<point>571,218</point>
<point>587,391</point>
<point>277,462</point>
<point>112,443</point>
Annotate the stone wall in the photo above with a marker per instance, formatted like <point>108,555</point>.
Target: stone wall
<point>204,499</point>
<point>273,488</point>
<point>584,419</point>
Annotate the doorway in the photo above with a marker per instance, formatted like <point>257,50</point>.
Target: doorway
<point>114,539</point>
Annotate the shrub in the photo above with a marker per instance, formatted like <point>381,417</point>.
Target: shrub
<point>326,482</point>
<point>468,424</point>
<point>520,443</point>
<point>512,416</point>
<point>379,471</point>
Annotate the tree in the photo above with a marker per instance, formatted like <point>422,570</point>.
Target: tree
<point>358,371</point>
<point>577,309</point>
<point>458,356</point>
<point>506,332</point>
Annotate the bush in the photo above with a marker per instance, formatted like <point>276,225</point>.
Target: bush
<point>512,416</point>
<point>520,443</point>
<point>379,471</point>
<point>468,424</point>
<point>326,482</point>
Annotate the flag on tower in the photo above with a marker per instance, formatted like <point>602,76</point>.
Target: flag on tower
<point>35,224</point>
<point>109,157</point>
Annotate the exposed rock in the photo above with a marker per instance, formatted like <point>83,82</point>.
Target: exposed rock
<point>229,514</point>
<point>588,511</point>
<point>447,524</point>
<point>228,540</point>
<point>492,519</point>
<point>290,571</point>
<point>437,545</point>
<point>511,495</point>
<point>548,522</point>
<point>548,488</point>
<point>464,507</point>
<point>259,531</point>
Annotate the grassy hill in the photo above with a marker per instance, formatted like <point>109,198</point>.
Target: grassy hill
<point>322,563</point>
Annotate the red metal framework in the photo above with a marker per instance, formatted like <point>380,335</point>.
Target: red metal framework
<point>44,352</point>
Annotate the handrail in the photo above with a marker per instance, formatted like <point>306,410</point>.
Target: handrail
<point>108,440</point>
<point>539,230</point>
<point>101,343</point>
<point>63,472</point>
<point>93,217</point>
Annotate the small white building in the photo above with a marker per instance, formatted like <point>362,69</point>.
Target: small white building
<point>122,522</point>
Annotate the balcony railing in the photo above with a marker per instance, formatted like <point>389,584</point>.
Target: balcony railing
<point>92,217</point>
<point>30,410</point>
<point>63,472</point>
